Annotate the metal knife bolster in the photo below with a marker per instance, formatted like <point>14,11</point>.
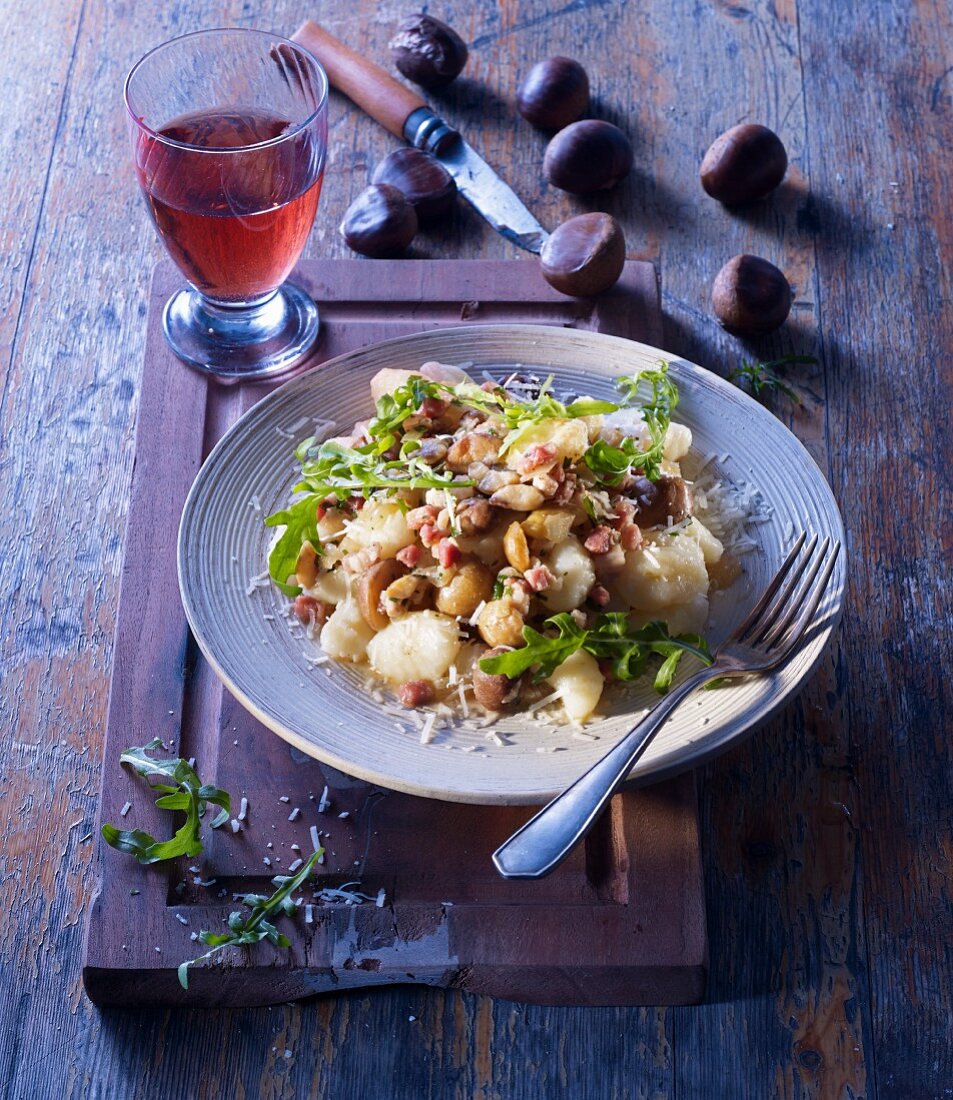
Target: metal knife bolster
<point>425,130</point>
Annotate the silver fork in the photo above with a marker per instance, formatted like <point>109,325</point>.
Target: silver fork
<point>766,638</point>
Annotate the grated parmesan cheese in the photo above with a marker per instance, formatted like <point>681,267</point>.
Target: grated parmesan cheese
<point>427,731</point>
<point>544,702</point>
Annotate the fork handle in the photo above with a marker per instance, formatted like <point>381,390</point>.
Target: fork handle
<point>546,839</point>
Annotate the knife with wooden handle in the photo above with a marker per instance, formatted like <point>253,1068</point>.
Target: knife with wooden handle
<point>407,116</point>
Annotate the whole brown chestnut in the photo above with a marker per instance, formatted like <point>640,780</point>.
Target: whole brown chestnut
<point>427,51</point>
<point>745,163</point>
<point>588,156</point>
<point>584,255</point>
<point>750,296</point>
<point>379,222</point>
<point>421,178</point>
<point>554,93</point>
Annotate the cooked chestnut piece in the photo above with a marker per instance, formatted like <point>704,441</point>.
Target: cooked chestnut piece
<point>750,296</point>
<point>745,163</point>
<point>590,155</point>
<point>427,51</point>
<point>554,93</point>
<point>421,178</point>
<point>494,691</point>
<point>584,255</point>
<point>655,501</point>
<point>379,222</point>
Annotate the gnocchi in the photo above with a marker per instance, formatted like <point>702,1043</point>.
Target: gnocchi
<point>580,684</point>
<point>420,646</point>
<point>380,523</point>
<point>346,635</point>
<point>574,572</point>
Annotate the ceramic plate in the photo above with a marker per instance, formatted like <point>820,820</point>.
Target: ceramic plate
<point>326,711</point>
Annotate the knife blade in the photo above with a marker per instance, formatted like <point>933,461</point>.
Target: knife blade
<point>406,115</point>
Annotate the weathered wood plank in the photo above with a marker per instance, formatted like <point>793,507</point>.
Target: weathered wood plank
<point>786,935</point>
<point>883,261</point>
<point>36,88</point>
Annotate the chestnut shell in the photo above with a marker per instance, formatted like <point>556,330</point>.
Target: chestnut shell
<point>585,255</point>
<point>428,52</point>
<point>750,297</point>
<point>421,178</point>
<point>379,222</point>
<point>745,163</point>
<point>554,94</point>
<point>586,156</point>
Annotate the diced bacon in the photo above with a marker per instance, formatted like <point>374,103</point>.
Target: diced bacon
<point>433,407</point>
<point>309,610</point>
<point>599,595</point>
<point>535,456</point>
<point>320,513</point>
<point>361,560</point>
<point>538,578</point>
<point>417,517</point>
<point>623,510</point>
<point>630,536</point>
<point>600,540</point>
<point>415,693</point>
<point>429,535</point>
<point>448,553</point>
<point>356,502</point>
<point>409,556</point>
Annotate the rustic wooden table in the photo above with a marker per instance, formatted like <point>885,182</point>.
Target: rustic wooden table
<point>828,842</point>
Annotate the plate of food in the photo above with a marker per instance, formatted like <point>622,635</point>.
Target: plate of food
<point>460,564</point>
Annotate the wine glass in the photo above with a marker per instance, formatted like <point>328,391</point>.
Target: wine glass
<point>229,134</point>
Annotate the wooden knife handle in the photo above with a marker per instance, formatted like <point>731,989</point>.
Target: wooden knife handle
<point>373,90</point>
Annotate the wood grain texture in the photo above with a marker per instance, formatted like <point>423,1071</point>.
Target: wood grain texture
<point>828,865</point>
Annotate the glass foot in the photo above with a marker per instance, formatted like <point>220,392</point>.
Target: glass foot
<point>238,343</point>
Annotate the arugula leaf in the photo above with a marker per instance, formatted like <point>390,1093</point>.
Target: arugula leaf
<point>256,927</point>
<point>301,525</point>
<point>540,650</point>
<point>760,377</point>
<point>344,471</point>
<point>394,408</point>
<point>629,650</point>
<point>612,639</point>
<point>189,795</point>
<point>611,464</point>
<point>656,395</point>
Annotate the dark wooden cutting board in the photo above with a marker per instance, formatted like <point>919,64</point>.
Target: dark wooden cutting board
<point>621,922</point>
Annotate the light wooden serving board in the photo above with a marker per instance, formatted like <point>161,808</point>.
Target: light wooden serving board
<point>621,922</point>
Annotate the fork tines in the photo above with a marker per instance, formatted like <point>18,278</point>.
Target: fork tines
<point>791,600</point>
